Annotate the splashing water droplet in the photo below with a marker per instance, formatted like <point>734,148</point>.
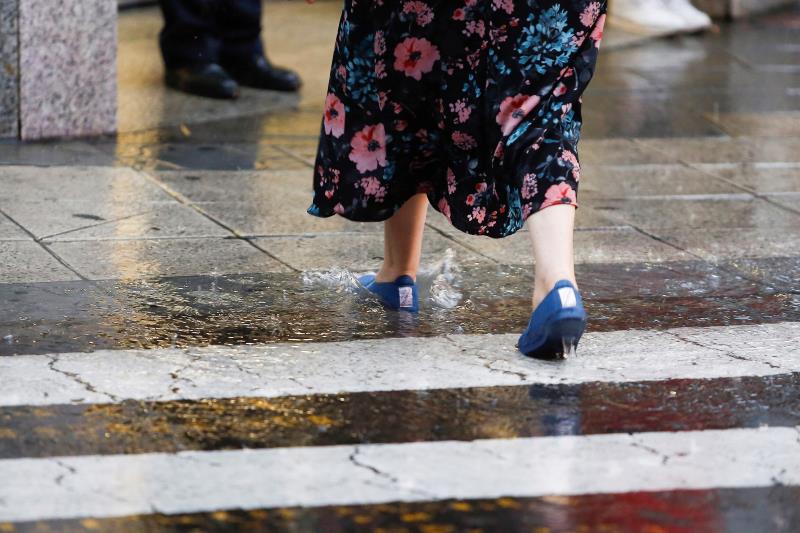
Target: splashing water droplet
<point>340,279</point>
<point>445,276</point>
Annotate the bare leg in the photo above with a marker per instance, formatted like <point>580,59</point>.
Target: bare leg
<point>551,233</point>
<point>402,242</point>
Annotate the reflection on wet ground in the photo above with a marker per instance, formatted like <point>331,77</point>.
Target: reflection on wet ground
<point>330,306</point>
<point>768,509</point>
<point>691,215</point>
<point>400,416</point>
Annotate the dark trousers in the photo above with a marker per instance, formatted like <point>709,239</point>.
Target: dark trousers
<point>209,31</point>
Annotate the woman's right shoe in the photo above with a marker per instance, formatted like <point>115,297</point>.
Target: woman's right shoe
<point>400,295</point>
<point>556,324</point>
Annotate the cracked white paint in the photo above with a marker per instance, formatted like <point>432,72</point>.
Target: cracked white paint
<point>118,485</point>
<point>393,364</point>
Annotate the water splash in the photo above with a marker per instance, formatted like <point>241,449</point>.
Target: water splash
<point>445,278</point>
<point>339,279</point>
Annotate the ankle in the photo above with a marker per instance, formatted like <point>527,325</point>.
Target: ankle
<point>388,274</point>
<point>545,284</point>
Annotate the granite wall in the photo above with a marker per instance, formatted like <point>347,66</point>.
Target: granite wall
<point>9,61</point>
<point>68,67</point>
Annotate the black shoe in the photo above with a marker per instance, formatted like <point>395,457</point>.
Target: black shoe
<point>208,80</point>
<point>259,73</point>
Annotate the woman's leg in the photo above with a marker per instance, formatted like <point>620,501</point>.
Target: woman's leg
<point>551,233</point>
<point>403,240</point>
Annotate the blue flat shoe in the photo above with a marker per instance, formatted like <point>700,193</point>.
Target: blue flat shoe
<point>556,324</point>
<point>400,295</point>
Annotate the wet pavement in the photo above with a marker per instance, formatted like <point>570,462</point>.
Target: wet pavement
<point>172,322</point>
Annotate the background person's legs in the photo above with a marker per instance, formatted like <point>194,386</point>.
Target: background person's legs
<point>238,26</point>
<point>191,50</point>
<point>186,38</point>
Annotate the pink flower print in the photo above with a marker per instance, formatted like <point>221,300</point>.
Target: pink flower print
<point>334,116</point>
<point>369,148</point>
<point>505,5</point>
<point>572,160</point>
<point>424,14</point>
<point>459,14</point>
<point>444,208</point>
<point>530,186</point>
<point>513,109</point>
<point>475,27</point>
<point>415,57</point>
<point>380,69</point>
<point>379,46</point>
<point>451,182</point>
<point>560,193</point>
<point>461,108</point>
<point>478,213</point>
<point>372,188</point>
<point>560,90</point>
<point>338,209</point>
<point>590,14</point>
<point>597,32</point>
<point>463,140</point>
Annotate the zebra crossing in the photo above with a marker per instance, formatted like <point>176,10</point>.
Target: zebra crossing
<point>314,409</point>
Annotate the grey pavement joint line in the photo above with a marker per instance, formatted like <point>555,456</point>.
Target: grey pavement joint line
<point>410,363</point>
<point>722,179</point>
<point>233,231</point>
<point>462,244</point>
<point>188,482</point>
<point>294,156</point>
<point>45,247</point>
<point>89,226</point>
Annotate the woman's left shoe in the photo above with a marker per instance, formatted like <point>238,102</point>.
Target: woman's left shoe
<point>556,324</point>
<point>400,295</point>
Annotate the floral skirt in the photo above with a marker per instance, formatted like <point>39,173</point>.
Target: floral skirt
<point>476,103</point>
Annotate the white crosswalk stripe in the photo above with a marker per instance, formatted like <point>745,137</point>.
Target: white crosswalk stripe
<point>393,364</point>
<point>99,486</point>
<point>118,485</point>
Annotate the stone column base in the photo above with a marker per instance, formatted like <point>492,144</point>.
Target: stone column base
<point>59,68</point>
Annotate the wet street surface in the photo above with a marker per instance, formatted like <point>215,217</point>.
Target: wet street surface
<point>183,348</point>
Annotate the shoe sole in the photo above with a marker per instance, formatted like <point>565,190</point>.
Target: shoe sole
<point>561,340</point>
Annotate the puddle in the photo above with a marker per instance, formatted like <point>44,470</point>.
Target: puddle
<point>331,306</point>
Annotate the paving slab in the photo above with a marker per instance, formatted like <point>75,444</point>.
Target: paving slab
<point>10,231</point>
<point>619,245</point>
<point>772,124</point>
<point>259,203</point>
<point>758,177</point>
<point>727,150</point>
<point>237,186</point>
<point>719,243</point>
<point>647,114</point>
<point>698,212</point>
<point>621,152</point>
<point>160,221</point>
<point>96,184</point>
<point>25,261</point>
<point>132,259</point>
<point>613,181</point>
<point>355,251</point>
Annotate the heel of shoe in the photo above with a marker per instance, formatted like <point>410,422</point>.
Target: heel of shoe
<point>569,332</point>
